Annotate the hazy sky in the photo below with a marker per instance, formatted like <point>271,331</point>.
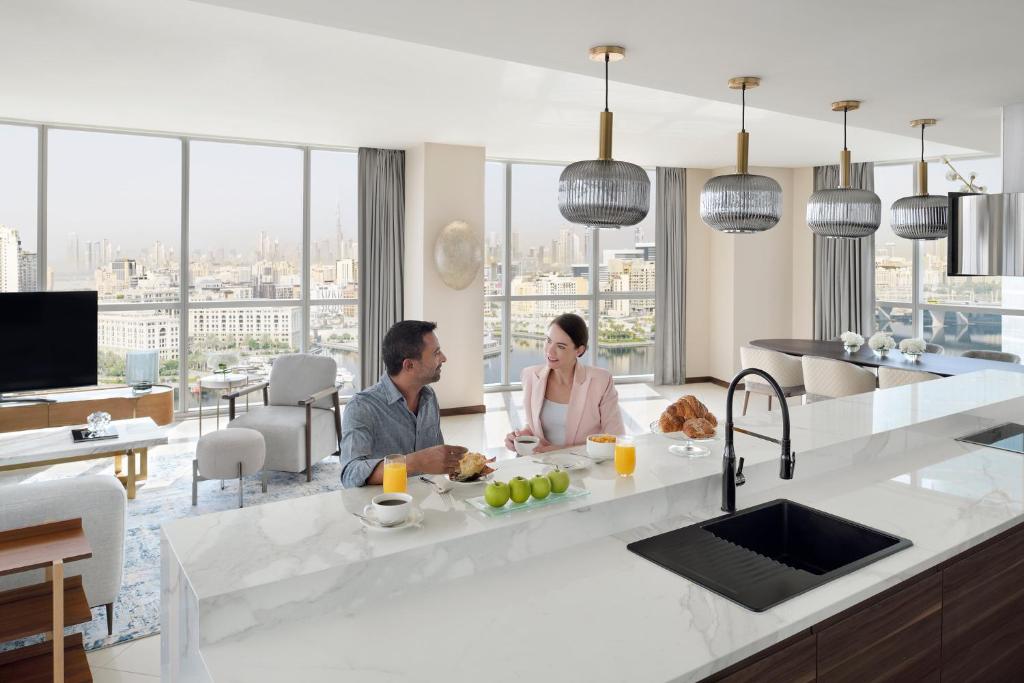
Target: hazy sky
<point>126,188</point>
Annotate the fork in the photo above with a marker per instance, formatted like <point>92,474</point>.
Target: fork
<point>437,487</point>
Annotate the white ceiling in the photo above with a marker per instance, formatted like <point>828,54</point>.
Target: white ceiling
<point>513,76</point>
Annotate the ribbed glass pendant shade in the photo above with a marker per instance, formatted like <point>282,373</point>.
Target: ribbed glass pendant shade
<point>604,193</point>
<point>844,212</point>
<point>741,203</point>
<point>923,217</point>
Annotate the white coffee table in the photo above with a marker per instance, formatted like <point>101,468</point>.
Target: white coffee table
<point>36,447</point>
<point>221,381</point>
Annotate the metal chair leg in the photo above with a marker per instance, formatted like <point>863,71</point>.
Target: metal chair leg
<point>240,487</point>
<point>195,482</point>
<point>769,404</point>
<point>746,400</point>
<point>264,477</point>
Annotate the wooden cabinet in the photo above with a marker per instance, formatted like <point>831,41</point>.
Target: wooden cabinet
<point>960,622</point>
<point>983,613</point>
<point>791,661</point>
<point>73,407</point>
<point>897,638</point>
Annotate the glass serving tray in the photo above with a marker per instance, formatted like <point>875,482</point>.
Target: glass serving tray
<point>480,504</point>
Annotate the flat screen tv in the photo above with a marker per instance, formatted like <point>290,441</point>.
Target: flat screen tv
<point>47,340</point>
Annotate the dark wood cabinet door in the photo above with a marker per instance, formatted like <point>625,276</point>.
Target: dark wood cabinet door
<point>896,638</point>
<point>983,614</point>
<point>791,661</point>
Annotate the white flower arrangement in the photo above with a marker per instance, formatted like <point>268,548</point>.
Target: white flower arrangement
<point>881,341</point>
<point>912,346</point>
<point>851,338</point>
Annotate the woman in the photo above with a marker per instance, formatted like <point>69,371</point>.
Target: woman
<point>567,401</point>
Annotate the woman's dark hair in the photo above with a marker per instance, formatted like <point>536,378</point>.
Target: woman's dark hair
<point>573,325</point>
<point>404,340</point>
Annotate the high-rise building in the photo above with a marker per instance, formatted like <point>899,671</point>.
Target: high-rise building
<point>28,271</point>
<point>74,251</point>
<point>9,246</point>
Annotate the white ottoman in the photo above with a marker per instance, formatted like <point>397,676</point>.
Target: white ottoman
<point>227,454</point>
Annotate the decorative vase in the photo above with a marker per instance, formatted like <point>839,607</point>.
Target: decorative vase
<point>912,357</point>
<point>851,348</point>
<point>881,353</point>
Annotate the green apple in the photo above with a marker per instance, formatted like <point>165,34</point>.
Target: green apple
<point>559,481</point>
<point>540,487</point>
<point>519,489</point>
<point>496,494</point>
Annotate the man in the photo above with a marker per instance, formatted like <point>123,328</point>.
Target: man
<point>399,413</point>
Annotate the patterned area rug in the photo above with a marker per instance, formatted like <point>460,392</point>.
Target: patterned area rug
<point>165,496</point>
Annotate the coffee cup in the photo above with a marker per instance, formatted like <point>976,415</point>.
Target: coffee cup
<point>526,443</point>
<point>390,508</point>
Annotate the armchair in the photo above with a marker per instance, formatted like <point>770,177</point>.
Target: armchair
<point>300,418</point>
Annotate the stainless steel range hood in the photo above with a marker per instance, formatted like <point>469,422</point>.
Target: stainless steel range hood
<point>986,231</point>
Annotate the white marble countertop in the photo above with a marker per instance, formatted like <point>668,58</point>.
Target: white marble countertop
<point>307,568</point>
<point>41,445</point>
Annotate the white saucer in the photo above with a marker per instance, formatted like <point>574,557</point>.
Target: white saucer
<point>565,461</point>
<point>369,521</point>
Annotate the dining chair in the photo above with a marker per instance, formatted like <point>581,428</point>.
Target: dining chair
<point>934,348</point>
<point>895,377</point>
<point>828,378</point>
<point>786,370</point>
<point>1002,356</point>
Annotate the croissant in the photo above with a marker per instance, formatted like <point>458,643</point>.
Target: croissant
<point>698,428</point>
<point>669,423</point>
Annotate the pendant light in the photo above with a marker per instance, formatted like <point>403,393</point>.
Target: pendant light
<point>604,193</point>
<point>922,216</point>
<point>741,202</point>
<point>844,212</point>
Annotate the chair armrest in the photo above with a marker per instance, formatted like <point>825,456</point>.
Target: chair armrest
<point>244,390</point>
<point>323,393</point>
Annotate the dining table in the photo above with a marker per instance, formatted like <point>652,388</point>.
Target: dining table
<point>935,363</point>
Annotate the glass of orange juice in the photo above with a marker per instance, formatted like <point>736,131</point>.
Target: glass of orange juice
<point>395,475</point>
<point>625,456</point>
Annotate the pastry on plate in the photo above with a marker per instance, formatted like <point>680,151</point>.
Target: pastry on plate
<point>687,410</point>
<point>472,466</point>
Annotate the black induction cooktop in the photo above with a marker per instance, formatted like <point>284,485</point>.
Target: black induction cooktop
<point>1007,437</point>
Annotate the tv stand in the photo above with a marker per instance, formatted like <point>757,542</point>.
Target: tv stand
<point>66,408</point>
<point>25,399</point>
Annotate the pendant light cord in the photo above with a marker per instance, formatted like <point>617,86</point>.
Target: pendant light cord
<point>607,59</point>
<point>743,110</point>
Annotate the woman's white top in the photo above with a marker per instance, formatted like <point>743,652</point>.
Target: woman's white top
<point>552,421</point>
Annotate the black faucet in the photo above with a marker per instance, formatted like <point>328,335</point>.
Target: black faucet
<point>732,475</point>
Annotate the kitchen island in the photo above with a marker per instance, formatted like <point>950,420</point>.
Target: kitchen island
<point>299,590</point>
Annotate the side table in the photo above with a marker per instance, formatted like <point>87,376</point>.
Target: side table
<point>224,382</point>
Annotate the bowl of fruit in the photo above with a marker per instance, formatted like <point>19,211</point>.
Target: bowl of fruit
<point>601,447</point>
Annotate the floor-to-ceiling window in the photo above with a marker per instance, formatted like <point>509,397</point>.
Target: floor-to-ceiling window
<point>266,235</point>
<point>538,265</point>
<point>915,296</point>
<point>113,225</point>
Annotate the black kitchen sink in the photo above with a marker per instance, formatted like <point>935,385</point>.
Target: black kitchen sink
<point>769,553</point>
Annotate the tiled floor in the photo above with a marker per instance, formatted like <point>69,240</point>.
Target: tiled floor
<point>138,661</point>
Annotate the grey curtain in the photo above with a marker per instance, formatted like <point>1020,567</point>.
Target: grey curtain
<point>670,276</point>
<point>844,270</point>
<point>381,252</point>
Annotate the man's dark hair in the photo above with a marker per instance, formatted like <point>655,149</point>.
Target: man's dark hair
<point>573,325</point>
<point>404,340</point>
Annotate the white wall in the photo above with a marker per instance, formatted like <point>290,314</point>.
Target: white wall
<point>445,183</point>
<point>745,287</point>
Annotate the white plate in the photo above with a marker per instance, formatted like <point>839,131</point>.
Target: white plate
<point>566,461</point>
<point>480,480</point>
<point>415,518</point>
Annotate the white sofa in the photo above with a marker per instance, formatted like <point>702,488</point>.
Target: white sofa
<point>101,503</point>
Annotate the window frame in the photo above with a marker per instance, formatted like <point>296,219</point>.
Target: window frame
<point>917,305</point>
<point>594,296</point>
<point>183,305</point>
